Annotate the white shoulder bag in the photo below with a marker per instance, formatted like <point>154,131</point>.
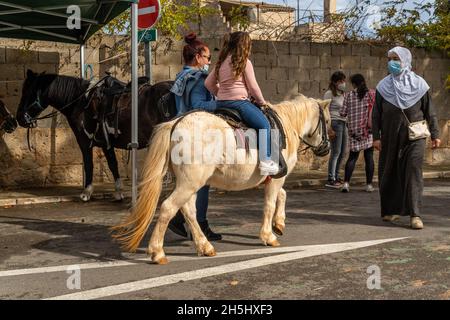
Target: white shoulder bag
<point>417,130</point>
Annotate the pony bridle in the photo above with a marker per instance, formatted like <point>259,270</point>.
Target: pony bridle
<point>37,103</point>
<point>323,148</point>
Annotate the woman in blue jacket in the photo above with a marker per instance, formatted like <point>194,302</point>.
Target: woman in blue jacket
<point>190,93</point>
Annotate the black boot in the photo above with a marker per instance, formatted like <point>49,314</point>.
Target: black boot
<point>177,225</point>
<point>209,234</point>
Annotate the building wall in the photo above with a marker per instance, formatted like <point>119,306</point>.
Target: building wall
<point>283,70</point>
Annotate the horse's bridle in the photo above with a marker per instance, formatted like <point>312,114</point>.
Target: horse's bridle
<point>37,103</point>
<point>323,148</point>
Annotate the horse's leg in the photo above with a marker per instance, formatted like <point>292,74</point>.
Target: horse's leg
<point>280,215</point>
<point>88,173</point>
<point>113,166</point>
<point>169,208</point>
<point>204,247</point>
<point>270,197</point>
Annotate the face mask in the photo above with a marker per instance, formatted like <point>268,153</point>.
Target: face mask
<point>341,86</point>
<point>205,68</point>
<point>395,67</point>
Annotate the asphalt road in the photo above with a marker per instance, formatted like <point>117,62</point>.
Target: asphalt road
<point>335,247</point>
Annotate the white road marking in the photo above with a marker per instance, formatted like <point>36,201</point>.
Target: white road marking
<point>147,10</point>
<point>214,271</point>
<point>121,263</point>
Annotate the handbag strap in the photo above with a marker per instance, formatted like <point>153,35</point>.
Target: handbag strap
<point>409,122</point>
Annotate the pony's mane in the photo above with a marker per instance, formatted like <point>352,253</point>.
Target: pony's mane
<point>65,89</point>
<point>293,114</point>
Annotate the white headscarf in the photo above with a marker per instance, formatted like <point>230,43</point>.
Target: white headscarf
<point>404,90</point>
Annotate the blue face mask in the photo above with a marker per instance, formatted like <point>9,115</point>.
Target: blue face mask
<point>205,68</point>
<point>395,67</point>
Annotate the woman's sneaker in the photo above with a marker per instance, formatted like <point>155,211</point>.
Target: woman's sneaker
<point>369,188</point>
<point>416,223</point>
<point>346,187</point>
<point>333,184</point>
<point>268,167</point>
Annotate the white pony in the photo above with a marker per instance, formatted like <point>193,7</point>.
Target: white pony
<point>303,119</point>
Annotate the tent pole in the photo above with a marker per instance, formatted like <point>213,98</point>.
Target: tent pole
<point>83,76</point>
<point>82,56</point>
<point>134,96</point>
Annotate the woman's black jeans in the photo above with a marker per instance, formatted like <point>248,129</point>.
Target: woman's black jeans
<point>351,162</point>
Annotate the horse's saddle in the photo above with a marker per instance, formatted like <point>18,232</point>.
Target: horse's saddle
<point>167,106</point>
<point>110,93</point>
<point>234,119</point>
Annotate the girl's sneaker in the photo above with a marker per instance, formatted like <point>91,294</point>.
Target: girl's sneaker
<point>268,168</point>
<point>369,188</point>
<point>346,187</point>
<point>333,184</point>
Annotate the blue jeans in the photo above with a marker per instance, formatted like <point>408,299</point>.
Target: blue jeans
<point>202,203</point>
<point>252,115</point>
<point>338,146</point>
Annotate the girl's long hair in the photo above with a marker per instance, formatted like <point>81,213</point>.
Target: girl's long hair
<point>238,45</point>
<point>360,84</point>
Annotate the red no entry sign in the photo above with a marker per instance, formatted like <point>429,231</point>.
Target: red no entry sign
<point>148,13</point>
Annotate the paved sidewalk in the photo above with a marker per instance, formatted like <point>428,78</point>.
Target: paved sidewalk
<point>56,194</point>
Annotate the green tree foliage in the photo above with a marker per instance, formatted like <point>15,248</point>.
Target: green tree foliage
<point>176,18</point>
<point>406,25</point>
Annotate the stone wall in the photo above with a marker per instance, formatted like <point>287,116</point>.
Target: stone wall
<point>283,70</point>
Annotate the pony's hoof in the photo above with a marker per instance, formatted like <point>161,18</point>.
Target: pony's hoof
<point>118,196</point>
<point>85,197</point>
<point>210,253</point>
<point>161,260</point>
<point>274,243</point>
<point>278,229</point>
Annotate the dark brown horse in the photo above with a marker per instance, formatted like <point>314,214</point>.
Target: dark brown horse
<point>7,121</point>
<point>79,104</point>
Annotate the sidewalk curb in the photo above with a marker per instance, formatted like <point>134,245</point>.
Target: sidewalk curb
<point>109,195</point>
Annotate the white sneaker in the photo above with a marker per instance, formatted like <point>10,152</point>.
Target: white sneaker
<point>346,187</point>
<point>369,188</point>
<point>268,167</point>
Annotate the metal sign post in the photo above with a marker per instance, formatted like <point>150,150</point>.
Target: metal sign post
<point>134,102</point>
<point>148,36</point>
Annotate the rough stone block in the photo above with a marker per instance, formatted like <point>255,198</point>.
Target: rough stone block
<point>299,74</point>
<point>14,88</point>
<point>360,50</point>
<point>300,48</point>
<point>351,62</point>
<point>264,60</point>
<point>341,50</point>
<point>309,89</point>
<point>372,63</point>
<point>261,74</point>
<point>288,61</point>
<point>269,89</point>
<point>12,72</point>
<point>49,57</point>
<point>320,49</point>
<point>15,56</point>
<point>309,62</point>
<point>259,46</point>
<point>278,48</point>
<point>379,51</point>
<point>321,74</point>
<point>331,62</point>
<point>287,88</point>
<point>2,54</point>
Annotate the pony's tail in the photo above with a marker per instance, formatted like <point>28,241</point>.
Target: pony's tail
<point>131,231</point>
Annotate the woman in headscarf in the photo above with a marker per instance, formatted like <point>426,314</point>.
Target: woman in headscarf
<point>402,97</point>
